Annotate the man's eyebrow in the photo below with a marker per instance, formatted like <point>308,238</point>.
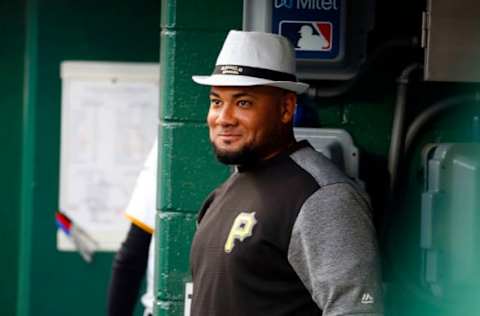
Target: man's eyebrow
<point>242,94</point>
<point>236,95</point>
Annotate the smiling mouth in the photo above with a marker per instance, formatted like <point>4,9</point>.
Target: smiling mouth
<point>228,135</point>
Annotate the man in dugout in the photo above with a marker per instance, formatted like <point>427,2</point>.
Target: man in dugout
<point>287,233</point>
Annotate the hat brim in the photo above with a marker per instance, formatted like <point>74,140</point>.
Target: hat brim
<point>244,81</point>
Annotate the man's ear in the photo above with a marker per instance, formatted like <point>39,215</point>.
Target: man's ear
<point>288,107</point>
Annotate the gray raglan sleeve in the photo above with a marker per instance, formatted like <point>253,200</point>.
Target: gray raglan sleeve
<point>334,251</point>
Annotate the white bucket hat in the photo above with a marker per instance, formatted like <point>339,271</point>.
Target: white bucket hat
<point>253,59</point>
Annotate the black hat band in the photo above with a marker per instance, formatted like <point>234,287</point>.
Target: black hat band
<point>253,72</point>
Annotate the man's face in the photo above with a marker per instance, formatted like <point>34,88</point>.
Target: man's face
<point>248,123</point>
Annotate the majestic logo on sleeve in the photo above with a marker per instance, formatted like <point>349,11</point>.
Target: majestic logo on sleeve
<point>367,299</point>
<point>242,228</point>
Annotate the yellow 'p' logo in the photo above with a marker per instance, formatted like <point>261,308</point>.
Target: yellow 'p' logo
<point>242,228</point>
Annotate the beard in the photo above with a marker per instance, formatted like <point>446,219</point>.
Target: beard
<point>245,156</point>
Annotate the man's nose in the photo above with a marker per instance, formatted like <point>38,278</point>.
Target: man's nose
<point>227,115</point>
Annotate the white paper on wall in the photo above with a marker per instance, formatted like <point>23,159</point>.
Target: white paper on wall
<point>109,123</point>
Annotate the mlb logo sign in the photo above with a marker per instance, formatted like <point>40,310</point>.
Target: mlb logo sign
<point>308,35</point>
<point>314,27</point>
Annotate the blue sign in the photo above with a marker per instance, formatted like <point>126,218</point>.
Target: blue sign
<point>313,26</point>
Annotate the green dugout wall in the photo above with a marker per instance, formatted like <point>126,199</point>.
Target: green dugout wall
<point>12,52</point>
<point>36,279</point>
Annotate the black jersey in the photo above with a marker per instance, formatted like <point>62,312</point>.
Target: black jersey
<point>287,236</point>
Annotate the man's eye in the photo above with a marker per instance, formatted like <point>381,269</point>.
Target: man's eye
<point>244,103</point>
<point>215,102</point>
